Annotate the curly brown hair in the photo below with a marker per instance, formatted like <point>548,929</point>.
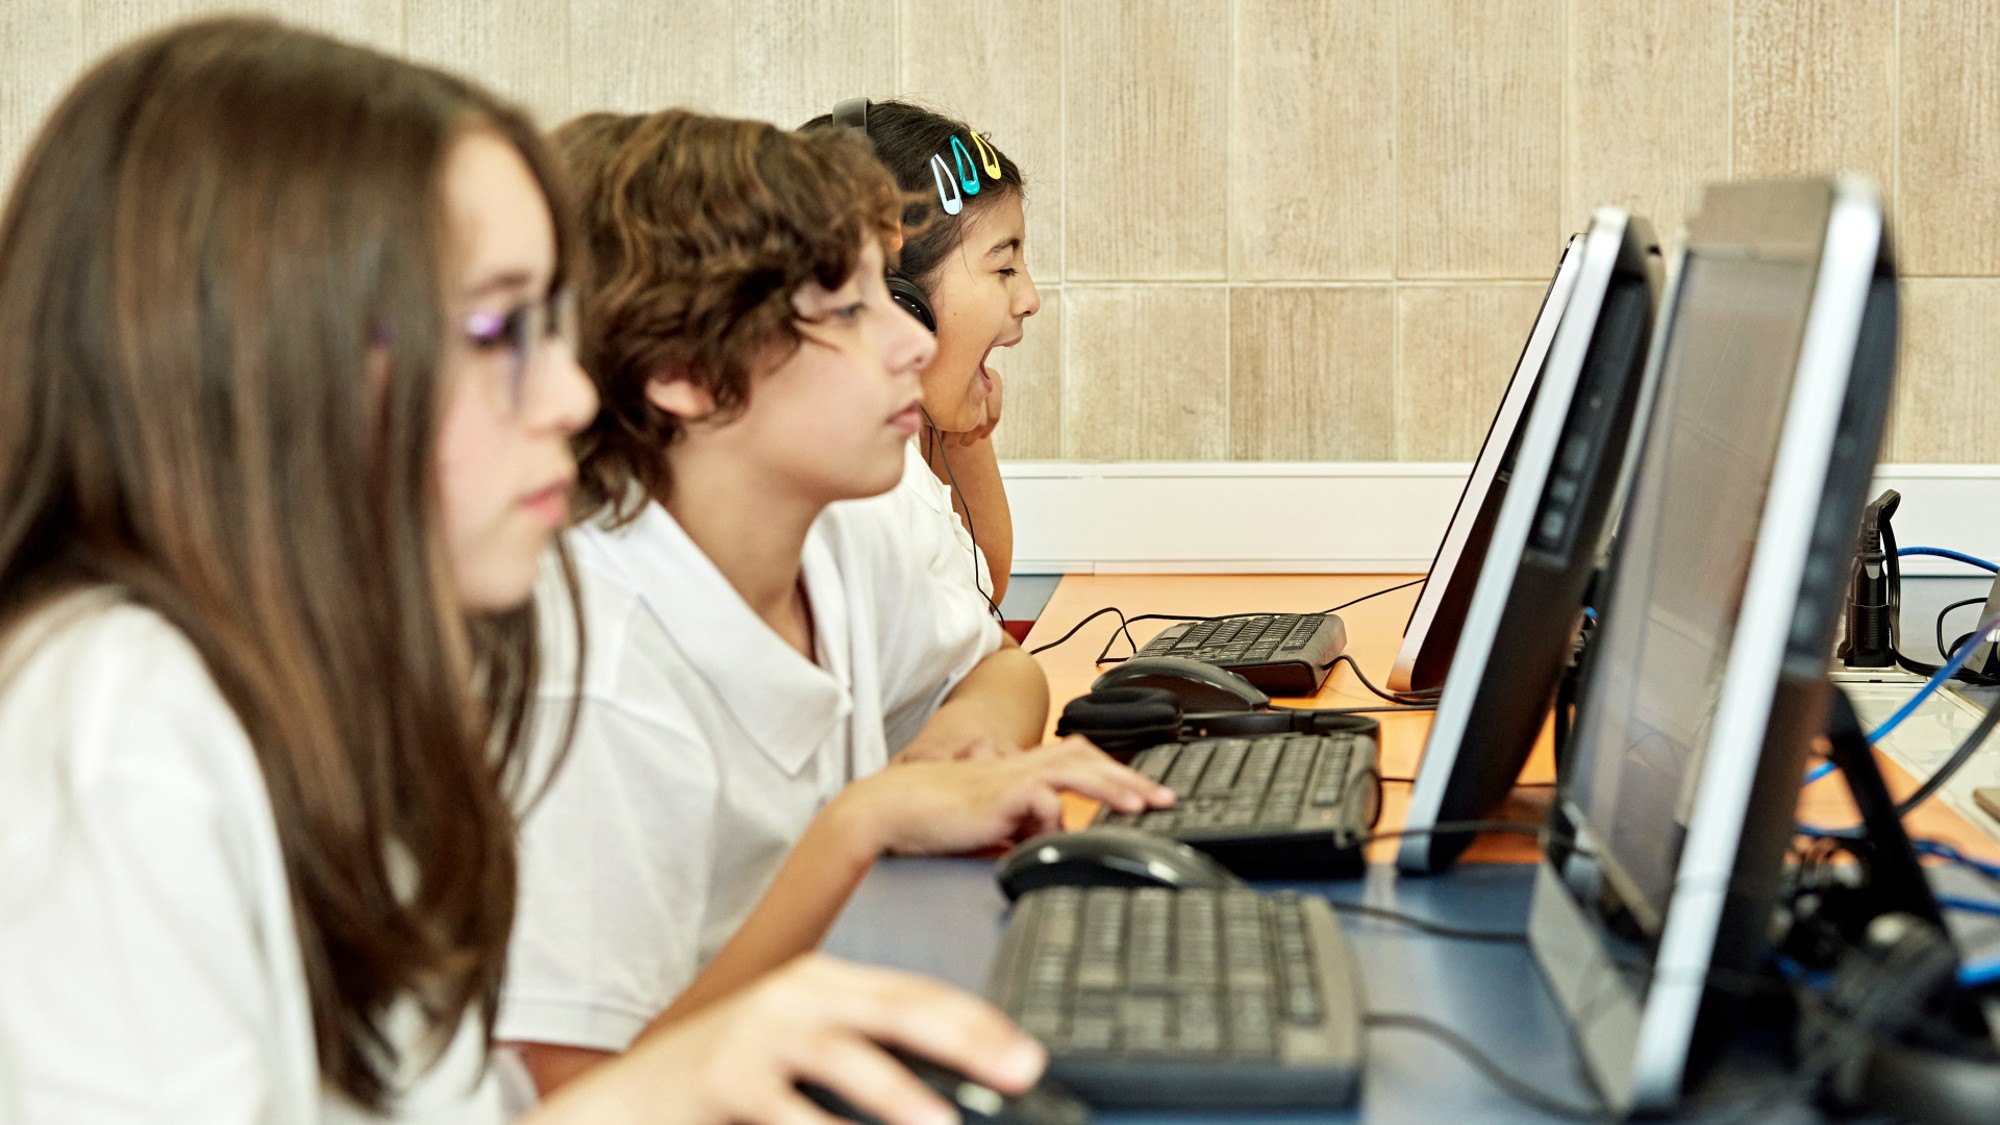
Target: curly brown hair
<point>700,230</point>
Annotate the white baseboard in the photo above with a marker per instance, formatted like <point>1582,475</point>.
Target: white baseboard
<point>1239,517</point>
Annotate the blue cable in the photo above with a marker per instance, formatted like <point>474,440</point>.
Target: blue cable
<point>1979,975</point>
<point>1950,854</point>
<point>1955,556</point>
<point>1936,681</point>
<point>1818,771</point>
<point>1969,905</point>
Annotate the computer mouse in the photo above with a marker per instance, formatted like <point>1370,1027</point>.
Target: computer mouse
<point>1043,1104</point>
<point>1200,686</point>
<point>1107,856</point>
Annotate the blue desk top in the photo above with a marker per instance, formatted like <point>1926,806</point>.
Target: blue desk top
<point>943,917</point>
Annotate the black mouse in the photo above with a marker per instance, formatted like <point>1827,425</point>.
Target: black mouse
<point>1043,1104</point>
<point>1107,857</point>
<point>1200,686</point>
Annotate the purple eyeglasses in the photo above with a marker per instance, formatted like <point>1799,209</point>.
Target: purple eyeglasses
<point>521,330</point>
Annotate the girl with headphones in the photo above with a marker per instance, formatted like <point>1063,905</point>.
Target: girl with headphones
<point>285,401</point>
<point>962,271</point>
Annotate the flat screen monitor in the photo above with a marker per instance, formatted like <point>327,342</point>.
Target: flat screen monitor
<point>1435,621</point>
<point>1707,677</point>
<point>1547,541</point>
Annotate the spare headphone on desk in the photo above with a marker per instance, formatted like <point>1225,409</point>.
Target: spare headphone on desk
<point>1122,721</point>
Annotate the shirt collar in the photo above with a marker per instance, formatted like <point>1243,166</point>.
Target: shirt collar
<point>787,704</point>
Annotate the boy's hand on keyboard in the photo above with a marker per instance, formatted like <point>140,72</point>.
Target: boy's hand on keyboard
<point>935,808</point>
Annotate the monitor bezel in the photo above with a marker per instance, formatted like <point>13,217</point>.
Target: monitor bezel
<point>1427,638</point>
<point>1640,1040</point>
<point>1616,243</point>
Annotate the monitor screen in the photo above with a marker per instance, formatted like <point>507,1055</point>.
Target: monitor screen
<point>1688,539</point>
<point>1706,679</point>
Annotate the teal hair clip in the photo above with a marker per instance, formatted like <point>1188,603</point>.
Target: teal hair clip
<point>968,172</point>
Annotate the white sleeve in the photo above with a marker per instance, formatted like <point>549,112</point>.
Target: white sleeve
<point>141,981</point>
<point>932,631</point>
<point>614,872</point>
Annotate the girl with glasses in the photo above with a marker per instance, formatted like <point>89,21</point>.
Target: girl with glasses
<point>285,402</point>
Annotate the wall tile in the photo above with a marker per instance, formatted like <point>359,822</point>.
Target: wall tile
<point>1456,349</point>
<point>1147,87</point>
<point>998,67</point>
<point>640,57</point>
<point>1145,375</point>
<point>795,59</point>
<point>1479,123</point>
<point>45,42</point>
<point>1815,88</point>
<point>1950,333</point>
<point>108,23</point>
<point>1031,375</point>
<point>1948,189</point>
<point>1648,107</point>
<point>1312,152</point>
<point>1312,373</point>
<point>517,47</point>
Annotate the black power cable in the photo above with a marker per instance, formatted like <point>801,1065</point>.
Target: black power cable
<point>1482,1062</point>
<point>1952,764</point>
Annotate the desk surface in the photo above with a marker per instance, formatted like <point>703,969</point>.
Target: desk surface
<point>944,917</point>
<point>1374,632</point>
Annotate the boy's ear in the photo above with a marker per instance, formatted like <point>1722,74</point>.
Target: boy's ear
<point>680,397</point>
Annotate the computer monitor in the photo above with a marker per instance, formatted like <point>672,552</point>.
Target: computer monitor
<point>1432,632</point>
<point>1547,541</point>
<point>1707,677</point>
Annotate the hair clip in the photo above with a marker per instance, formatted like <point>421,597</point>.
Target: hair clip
<point>968,173</point>
<point>949,196</point>
<point>989,157</point>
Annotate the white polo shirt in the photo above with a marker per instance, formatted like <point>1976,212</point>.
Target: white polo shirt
<point>149,969</point>
<point>923,503</point>
<point>705,744</point>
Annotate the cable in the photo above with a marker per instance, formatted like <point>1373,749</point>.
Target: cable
<point>1123,626</point>
<point>1981,974</point>
<point>1464,828</point>
<point>1969,905</point>
<point>1945,851</point>
<point>1495,1073</point>
<point>1426,926</point>
<point>1954,763</point>
<point>1936,681</point>
<point>1377,594</point>
<point>1393,697</point>
<point>1946,553</point>
<point>971,532</point>
<point>1959,604</point>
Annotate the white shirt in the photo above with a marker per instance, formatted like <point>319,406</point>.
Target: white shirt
<point>921,503</point>
<point>149,970</point>
<point>705,744</point>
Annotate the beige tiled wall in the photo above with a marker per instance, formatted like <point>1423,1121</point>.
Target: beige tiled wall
<point>1287,229</point>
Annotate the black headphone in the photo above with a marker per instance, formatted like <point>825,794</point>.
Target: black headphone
<point>1125,720</point>
<point>853,113</point>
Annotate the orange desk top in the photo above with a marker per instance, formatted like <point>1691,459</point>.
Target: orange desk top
<point>1374,631</point>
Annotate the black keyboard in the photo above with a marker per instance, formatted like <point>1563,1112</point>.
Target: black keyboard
<point>1281,653</point>
<point>1277,805</point>
<point>1196,999</point>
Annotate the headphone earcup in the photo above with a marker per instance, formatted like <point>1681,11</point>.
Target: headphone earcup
<point>912,300</point>
<point>1123,721</point>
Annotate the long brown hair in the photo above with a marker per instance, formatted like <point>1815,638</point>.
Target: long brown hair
<point>220,337</point>
<point>700,230</point>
